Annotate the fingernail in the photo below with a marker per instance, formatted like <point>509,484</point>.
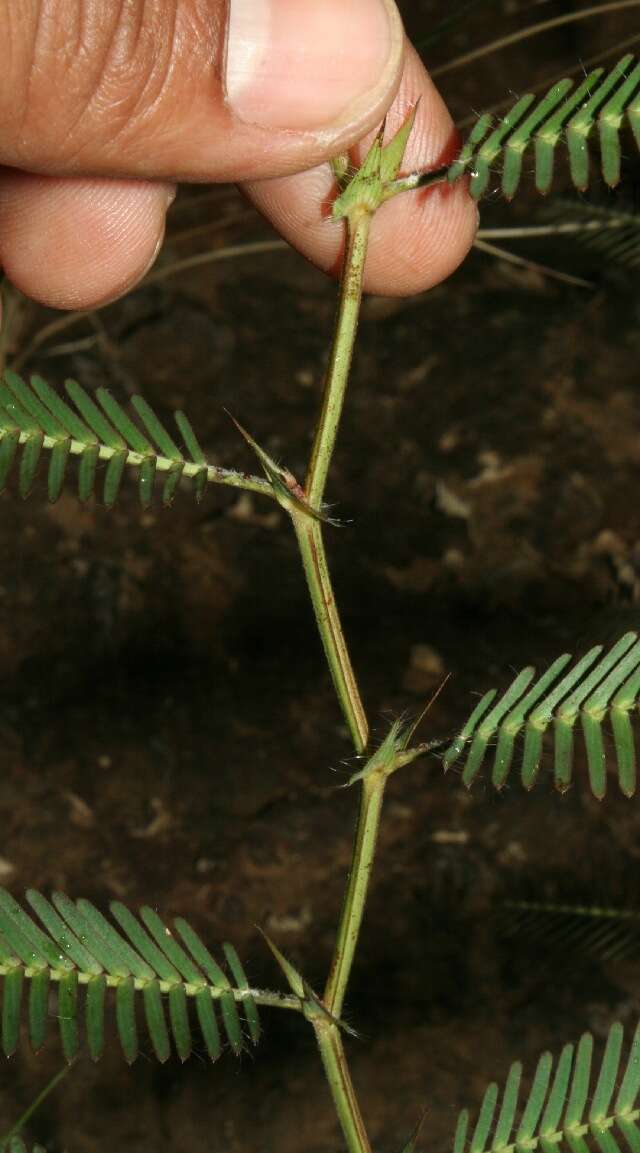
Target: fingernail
<point>306,65</point>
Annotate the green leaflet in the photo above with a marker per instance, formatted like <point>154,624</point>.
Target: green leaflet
<point>568,1108</point>
<point>75,954</point>
<point>600,689</point>
<point>607,102</point>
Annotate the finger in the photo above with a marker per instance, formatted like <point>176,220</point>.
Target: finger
<point>419,238</point>
<point>75,243</point>
<point>192,89</point>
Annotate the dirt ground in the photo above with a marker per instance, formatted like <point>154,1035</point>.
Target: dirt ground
<point>168,732</point>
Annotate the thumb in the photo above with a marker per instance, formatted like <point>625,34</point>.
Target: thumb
<point>192,89</point>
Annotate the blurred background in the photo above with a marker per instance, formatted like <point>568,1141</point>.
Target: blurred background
<point>168,732</point>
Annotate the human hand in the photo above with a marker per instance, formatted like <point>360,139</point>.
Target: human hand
<point>106,104</point>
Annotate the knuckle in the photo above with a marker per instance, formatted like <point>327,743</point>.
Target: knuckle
<point>155,49</point>
<point>87,74</point>
<point>134,64</point>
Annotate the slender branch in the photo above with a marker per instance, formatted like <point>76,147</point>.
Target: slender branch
<point>364,847</point>
<point>523,262</point>
<point>308,531</point>
<point>231,252</point>
<point>564,228</point>
<point>340,356</point>
<point>33,1107</point>
<point>341,1085</point>
<point>532,30</point>
<point>583,65</point>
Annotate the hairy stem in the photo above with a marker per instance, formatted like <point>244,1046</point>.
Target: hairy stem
<point>311,543</point>
<point>341,1086</point>
<point>314,561</point>
<point>364,847</point>
<point>260,996</point>
<point>215,474</point>
<point>310,540</point>
<point>309,530</point>
<point>340,356</point>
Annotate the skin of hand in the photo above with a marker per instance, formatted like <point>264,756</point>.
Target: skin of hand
<point>105,105</point>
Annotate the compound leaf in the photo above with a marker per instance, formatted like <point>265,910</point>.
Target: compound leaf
<point>75,956</point>
<point>602,688</point>
<point>568,114</point>
<point>555,1112</point>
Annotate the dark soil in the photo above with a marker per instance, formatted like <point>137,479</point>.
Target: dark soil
<point>168,732</point>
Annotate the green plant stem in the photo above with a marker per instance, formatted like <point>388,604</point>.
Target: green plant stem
<point>314,561</point>
<point>311,543</point>
<point>308,530</point>
<point>341,1086</point>
<point>231,252</point>
<point>340,357</point>
<point>531,30</point>
<point>33,1107</point>
<point>364,847</point>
